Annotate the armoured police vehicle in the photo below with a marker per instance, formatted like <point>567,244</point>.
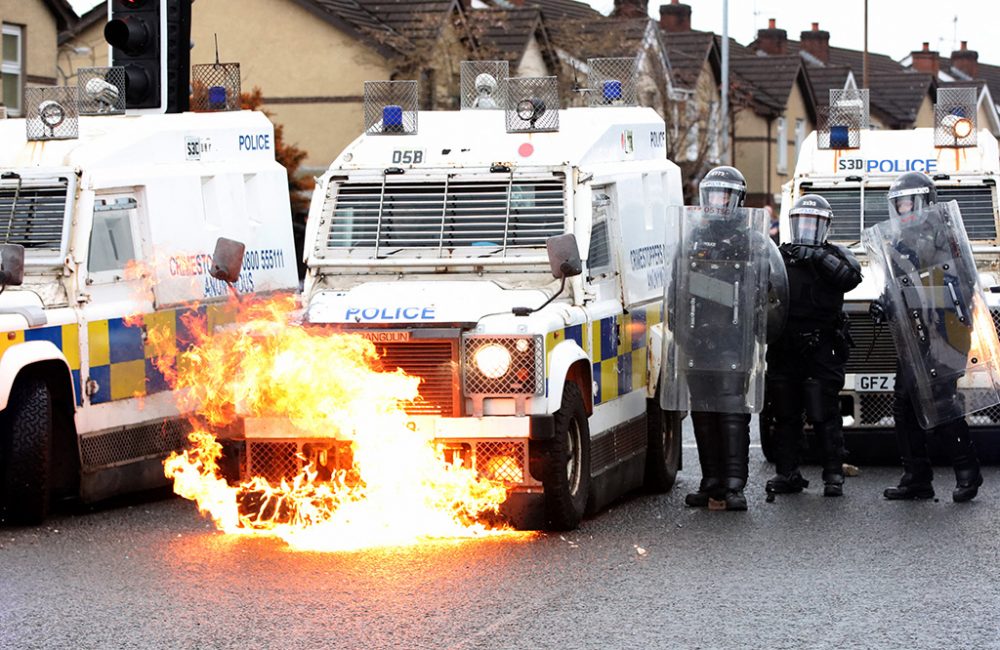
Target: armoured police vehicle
<point>852,167</point>
<point>108,227</point>
<point>453,240</point>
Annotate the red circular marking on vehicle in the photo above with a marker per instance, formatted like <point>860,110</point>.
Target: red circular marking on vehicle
<point>526,150</point>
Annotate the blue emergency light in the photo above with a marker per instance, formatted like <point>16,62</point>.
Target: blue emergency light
<point>612,91</point>
<point>392,118</point>
<point>217,97</point>
<point>840,137</point>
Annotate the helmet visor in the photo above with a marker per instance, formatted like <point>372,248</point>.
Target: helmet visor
<point>905,205</point>
<point>720,198</point>
<point>809,228</point>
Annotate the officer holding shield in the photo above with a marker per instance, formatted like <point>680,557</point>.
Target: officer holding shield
<point>929,301</point>
<point>805,365</point>
<point>710,317</point>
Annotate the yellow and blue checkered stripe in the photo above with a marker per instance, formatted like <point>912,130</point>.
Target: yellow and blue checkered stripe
<point>121,361</point>
<point>616,346</point>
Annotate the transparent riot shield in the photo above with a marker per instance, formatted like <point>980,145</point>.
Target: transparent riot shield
<point>777,292</point>
<point>944,334</point>
<point>716,299</point>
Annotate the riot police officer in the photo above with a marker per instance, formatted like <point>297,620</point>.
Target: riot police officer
<point>723,437</point>
<point>908,196</point>
<point>805,365</point>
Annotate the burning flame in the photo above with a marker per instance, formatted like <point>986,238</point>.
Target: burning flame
<point>398,490</point>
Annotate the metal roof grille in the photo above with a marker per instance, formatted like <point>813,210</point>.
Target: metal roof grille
<point>975,202</point>
<point>32,214</point>
<point>505,214</point>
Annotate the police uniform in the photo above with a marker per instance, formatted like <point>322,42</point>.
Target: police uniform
<point>805,365</point>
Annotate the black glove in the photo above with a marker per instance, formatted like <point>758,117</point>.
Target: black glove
<point>877,312</point>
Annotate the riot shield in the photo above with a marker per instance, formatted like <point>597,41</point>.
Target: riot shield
<point>716,299</point>
<point>944,334</point>
<point>777,292</point>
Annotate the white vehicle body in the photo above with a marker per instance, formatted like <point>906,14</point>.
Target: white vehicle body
<point>428,243</point>
<point>855,182</point>
<point>156,189</point>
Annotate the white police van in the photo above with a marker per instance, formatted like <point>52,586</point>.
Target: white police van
<point>855,177</point>
<point>432,242</point>
<point>83,408</point>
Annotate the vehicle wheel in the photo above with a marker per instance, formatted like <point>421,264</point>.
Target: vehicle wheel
<point>663,450</point>
<point>28,452</point>
<point>766,426</point>
<point>567,463</point>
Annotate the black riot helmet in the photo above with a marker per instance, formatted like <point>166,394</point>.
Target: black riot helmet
<point>722,191</point>
<point>909,194</point>
<point>810,220</point>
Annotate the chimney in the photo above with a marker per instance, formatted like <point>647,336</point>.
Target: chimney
<point>926,60</point>
<point>631,9</point>
<point>772,40</point>
<point>964,59</point>
<point>675,17</point>
<point>817,43</point>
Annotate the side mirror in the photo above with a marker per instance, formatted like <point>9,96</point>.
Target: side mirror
<point>11,265</point>
<point>227,260</point>
<point>564,256</point>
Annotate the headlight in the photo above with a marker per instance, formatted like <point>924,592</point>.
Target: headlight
<point>493,360</point>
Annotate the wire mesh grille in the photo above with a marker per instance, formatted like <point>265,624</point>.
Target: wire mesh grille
<point>955,117</point>
<point>101,91</point>
<point>484,84</point>
<point>534,104</point>
<point>843,121</point>
<point>501,460</point>
<point>134,443</point>
<point>526,373</point>
<point>390,107</point>
<point>272,460</point>
<point>876,409</point>
<point>215,87</point>
<point>613,81</point>
<point>51,113</point>
<point>33,214</point>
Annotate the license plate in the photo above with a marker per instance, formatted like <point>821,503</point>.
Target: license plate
<point>392,336</point>
<point>874,383</point>
<point>408,156</point>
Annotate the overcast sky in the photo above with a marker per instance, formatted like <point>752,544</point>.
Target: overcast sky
<point>895,27</point>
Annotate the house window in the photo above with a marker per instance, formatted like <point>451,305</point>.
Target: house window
<point>800,135</point>
<point>782,145</point>
<point>12,69</point>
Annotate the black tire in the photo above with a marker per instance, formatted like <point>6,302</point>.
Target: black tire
<point>766,426</point>
<point>663,448</point>
<point>566,474</point>
<point>28,452</point>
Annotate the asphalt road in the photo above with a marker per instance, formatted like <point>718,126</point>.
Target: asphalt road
<point>804,571</point>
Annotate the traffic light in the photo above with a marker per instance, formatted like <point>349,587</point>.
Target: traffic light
<point>151,40</point>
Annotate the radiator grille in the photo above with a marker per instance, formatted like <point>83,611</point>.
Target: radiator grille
<point>125,445</point>
<point>498,214</point>
<point>32,213</point>
<point>435,363</point>
<point>273,460</point>
<point>851,214</point>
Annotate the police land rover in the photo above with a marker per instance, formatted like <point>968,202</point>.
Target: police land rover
<point>440,244</point>
<point>852,167</point>
<point>108,227</point>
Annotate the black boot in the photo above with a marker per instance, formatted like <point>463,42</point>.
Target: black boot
<point>735,435</point>
<point>915,483</point>
<point>833,480</point>
<point>709,453</point>
<point>912,440</point>
<point>791,483</point>
<point>968,478</point>
<point>831,434</point>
